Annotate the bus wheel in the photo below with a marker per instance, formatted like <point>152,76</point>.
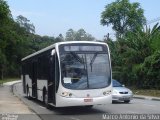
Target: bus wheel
<point>28,94</point>
<point>45,99</point>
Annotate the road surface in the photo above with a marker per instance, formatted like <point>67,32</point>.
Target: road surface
<point>136,106</point>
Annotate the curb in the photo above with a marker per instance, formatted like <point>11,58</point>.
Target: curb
<point>146,98</point>
<point>156,99</point>
<point>138,97</point>
<point>12,90</point>
<point>11,83</point>
<point>11,86</point>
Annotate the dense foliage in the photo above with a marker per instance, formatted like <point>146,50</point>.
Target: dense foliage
<point>136,51</point>
<point>18,39</point>
<point>136,58</point>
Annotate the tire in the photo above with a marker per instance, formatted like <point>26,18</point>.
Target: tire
<point>28,93</point>
<point>126,101</point>
<point>45,99</point>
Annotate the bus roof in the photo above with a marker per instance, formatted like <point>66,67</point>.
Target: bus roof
<point>58,43</point>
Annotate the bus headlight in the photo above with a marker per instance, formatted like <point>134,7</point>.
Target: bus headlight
<point>66,94</point>
<point>107,92</point>
<point>70,95</point>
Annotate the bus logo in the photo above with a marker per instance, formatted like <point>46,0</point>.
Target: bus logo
<point>88,95</point>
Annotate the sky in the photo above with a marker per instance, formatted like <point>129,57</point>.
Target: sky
<point>52,17</point>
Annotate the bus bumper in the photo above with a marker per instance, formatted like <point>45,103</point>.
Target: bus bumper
<point>69,101</point>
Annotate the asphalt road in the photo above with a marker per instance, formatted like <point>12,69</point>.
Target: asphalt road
<point>136,106</point>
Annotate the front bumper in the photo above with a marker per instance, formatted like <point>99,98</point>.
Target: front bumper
<point>64,102</point>
<point>122,97</point>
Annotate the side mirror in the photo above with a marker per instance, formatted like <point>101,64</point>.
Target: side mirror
<point>53,52</point>
<point>123,85</point>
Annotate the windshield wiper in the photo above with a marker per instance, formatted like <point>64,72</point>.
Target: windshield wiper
<point>93,59</point>
<point>77,57</point>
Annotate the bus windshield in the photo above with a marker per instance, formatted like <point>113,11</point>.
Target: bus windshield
<point>80,70</point>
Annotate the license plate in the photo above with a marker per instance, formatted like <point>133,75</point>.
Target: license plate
<point>125,98</point>
<point>88,100</point>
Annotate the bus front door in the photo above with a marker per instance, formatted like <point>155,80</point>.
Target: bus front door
<point>51,81</point>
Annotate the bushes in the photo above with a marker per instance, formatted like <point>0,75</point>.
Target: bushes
<point>150,71</point>
<point>136,58</point>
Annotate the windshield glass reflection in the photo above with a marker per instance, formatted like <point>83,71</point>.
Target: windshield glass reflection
<point>85,71</point>
<point>116,83</point>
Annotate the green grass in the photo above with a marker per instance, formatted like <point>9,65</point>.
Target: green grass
<point>8,80</point>
<point>155,93</point>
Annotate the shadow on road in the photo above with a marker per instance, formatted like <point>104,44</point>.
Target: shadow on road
<point>78,110</point>
<point>120,102</point>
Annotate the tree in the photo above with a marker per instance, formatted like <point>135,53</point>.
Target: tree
<point>150,71</point>
<point>59,38</point>
<point>80,35</point>
<point>70,35</point>
<point>4,12</point>
<point>2,64</point>
<point>123,16</point>
<point>25,23</point>
<point>5,19</point>
<point>135,58</point>
<point>89,37</point>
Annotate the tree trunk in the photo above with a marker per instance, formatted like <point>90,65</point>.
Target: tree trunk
<point>1,71</point>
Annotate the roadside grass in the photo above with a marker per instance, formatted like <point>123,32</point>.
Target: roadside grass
<point>8,80</point>
<point>155,93</point>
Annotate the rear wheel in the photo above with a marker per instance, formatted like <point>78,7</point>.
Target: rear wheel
<point>126,101</point>
<point>45,99</point>
<point>28,93</point>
